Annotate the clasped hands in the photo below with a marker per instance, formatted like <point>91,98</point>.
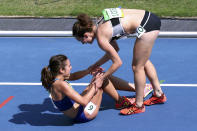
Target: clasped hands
<point>97,74</point>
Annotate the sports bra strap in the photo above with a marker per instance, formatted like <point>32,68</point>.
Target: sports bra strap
<point>56,79</point>
<point>65,81</point>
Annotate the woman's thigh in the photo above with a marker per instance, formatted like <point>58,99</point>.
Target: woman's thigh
<point>143,48</point>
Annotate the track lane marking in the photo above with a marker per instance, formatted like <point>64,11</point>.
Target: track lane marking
<point>85,84</point>
<point>6,101</point>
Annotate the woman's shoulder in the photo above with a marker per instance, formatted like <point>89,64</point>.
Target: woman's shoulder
<point>59,84</point>
<point>104,30</point>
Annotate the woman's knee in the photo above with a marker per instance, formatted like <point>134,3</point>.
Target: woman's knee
<point>105,83</point>
<point>137,68</point>
<point>91,116</point>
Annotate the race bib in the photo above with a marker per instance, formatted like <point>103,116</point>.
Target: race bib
<point>112,13</point>
<point>140,31</point>
<point>90,108</point>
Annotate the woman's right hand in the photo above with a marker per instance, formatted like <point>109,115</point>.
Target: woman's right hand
<point>92,68</point>
<point>97,80</point>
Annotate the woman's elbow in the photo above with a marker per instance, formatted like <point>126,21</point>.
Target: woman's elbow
<point>119,63</point>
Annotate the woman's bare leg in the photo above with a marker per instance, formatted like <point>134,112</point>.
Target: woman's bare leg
<point>109,88</point>
<point>152,76</point>
<point>96,100</point>
<point>121,84</point>
<point>141,54</point>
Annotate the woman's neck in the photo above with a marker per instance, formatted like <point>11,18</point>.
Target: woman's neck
<point>94,30</point>
<point>59,77</point>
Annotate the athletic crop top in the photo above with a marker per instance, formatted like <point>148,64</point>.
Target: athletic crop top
<point>64,104</point>
<point>118,31</point>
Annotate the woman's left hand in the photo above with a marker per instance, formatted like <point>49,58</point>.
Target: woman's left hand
<point>97,70</point>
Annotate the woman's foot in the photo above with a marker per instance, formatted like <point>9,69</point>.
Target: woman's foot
<point>133,110</point>
<point>155,100</point>
<point>124,102</point>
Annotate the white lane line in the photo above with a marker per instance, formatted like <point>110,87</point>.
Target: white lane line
<point>182,85</point>
<point>85,84</point>
<point>35,84</point>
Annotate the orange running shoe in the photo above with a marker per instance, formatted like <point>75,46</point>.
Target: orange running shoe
<point>125,102</point>
<point>147,90</point>
<point>155,100</point>
<point>132,110</point>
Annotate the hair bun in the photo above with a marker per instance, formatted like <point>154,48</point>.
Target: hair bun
<point>83,19</point>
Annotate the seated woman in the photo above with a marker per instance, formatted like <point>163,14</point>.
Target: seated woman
<point>84,107</point>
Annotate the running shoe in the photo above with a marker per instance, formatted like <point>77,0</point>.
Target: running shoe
<point>124,102</point>
<point>147,90</point>
<point>155,100</point>
<point>132,110</point>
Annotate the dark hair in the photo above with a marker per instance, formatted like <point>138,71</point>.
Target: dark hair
<point>49,72</point>
<point>83,25</point>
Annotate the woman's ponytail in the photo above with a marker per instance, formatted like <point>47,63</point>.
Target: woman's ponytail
<point>46,78</point>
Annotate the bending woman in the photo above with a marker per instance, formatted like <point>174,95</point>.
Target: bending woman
<point>115,24</point>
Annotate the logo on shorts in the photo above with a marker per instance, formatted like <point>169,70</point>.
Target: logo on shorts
<point>140,31</point>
